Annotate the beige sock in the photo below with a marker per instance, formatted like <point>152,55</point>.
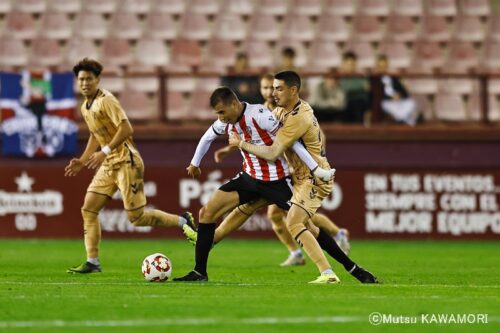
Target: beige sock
<point>92,233</point>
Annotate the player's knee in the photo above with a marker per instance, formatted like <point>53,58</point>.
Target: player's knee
<point>88,215</point>
<point>206,215</point>
<point>294,227</point>
<point>136,217</point>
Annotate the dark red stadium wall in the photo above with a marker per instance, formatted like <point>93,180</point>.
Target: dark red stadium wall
<point>439,190</point>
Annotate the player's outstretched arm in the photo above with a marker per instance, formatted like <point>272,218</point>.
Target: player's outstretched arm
<point>270,153</point>
<point>318,172</point>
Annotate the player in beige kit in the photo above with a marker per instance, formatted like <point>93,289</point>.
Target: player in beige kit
<point>110,150</point>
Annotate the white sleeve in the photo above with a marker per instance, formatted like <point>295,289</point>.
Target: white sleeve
<point>206,140</point>
<point>304,155</point>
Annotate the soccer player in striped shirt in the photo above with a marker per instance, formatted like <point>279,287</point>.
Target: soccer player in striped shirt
<point>259,179</point>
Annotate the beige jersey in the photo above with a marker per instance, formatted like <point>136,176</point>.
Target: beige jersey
<point>301,125</point>
<point>103,118</point>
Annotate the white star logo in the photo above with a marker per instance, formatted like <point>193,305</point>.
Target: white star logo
<point>24,182</point>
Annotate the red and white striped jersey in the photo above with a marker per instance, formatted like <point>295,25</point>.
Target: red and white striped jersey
<point>258,126</point>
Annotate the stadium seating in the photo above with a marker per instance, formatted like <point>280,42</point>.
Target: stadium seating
<point>161,26</point>
<point>45,53</point>
<point>323,56</point>
<point>408,8</point>
<point>401,28</point>
<point>469,29</point>
<point>230,27</point>
<point>397,53</point>
<point>20,25</point>
<point>56,25</point>
<point>137,104</point>
<point>332,28</point>
<point>12,53</point>
<point>203,36</point>
<point>306,7</point>
<point>5,6</point>
<point>441,7</point>
<point>195,26</point>
<point>366,29</point>
<point>172,7</point>
<point>91,25</point>
<point>101,6</point>
<point>264,27</point>
<point>77,48</point>
<point>298,27</point>
<point>65,6</point>
<point>475,7</point>
<point>239,7</point>
<point>435,29</point>
<point>374,7</point>
<point>340,7</point>
<point>125,25</point>
<point>30,6</point>
<point>220,55</point>
<point>450,107</point>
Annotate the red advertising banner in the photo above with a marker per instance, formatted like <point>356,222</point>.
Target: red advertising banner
<point>37,201</point>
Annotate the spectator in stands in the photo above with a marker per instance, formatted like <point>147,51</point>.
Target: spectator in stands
<point>328,100</point>
<point>243,81</point>
<point>357,90</point>
<point>287,60</point>
<point>396,100</point>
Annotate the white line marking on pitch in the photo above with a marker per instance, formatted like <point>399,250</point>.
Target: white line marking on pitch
<point>181,321</point>
<point>385,285</point>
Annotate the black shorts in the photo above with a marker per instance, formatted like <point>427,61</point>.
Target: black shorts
<point>278,192</point>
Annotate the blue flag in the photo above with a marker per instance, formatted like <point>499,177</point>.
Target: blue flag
<point>38,114</point>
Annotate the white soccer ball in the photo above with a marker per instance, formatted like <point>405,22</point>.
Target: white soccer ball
<point>156,267</point>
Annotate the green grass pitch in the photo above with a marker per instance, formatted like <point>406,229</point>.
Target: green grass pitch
<point>247,291</point>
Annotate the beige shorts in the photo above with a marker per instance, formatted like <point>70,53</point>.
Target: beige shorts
<point>308,194</point>
<point>126,177</point>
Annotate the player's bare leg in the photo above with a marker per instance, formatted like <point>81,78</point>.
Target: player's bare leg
<point>277,217</point>
<point>236,218</point>
<point>92,205</point>
<point>220,203</point>
<point>296,220</point>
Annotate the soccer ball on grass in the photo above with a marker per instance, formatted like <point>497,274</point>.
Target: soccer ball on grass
<point>156,267</point>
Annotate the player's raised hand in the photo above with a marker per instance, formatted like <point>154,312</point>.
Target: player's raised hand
<point>234,140</point>
<point>193,171</point>
<point>74,166</point>
<point>95,160</point>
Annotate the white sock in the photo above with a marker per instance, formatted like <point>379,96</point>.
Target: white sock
<point>94,261</point>
<point>327,271</point>
<point>182,221</point>
<point>296,253</point>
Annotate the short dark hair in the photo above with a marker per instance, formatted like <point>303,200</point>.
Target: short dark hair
<point>291,78</point>
<point>288,52</point>
<point>88,65</point>
<point>349,55</point>
<point>222,94</point>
